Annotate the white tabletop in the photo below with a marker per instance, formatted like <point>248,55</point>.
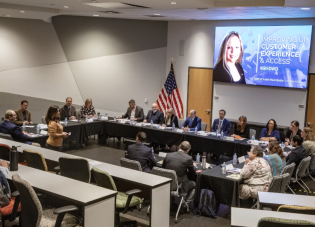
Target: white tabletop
<point>286,199</point>
<point>66,187</point>
<point>251,217</point>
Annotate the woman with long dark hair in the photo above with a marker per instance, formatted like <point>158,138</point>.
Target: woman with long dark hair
<point>242,128</point>
<point>271,132</point>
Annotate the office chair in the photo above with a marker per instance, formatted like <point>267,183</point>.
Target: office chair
<point>5,152</point>
<point>6,136</point>
<point>289,169</point>
<point>280,222</point>
<point>297,209</point>
<point>302,171</point>
<point>75,168</point>
<point>130,164</point>
<point>35,160</point>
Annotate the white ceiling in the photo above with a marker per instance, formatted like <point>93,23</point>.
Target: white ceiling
<point>182,10</point>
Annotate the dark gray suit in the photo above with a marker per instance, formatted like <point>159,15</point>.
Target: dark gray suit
<point>142,154</point>
<point>138,114</point>
<point>180,162</point>
<point>64,112</point>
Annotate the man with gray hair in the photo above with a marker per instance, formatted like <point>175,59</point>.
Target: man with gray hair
<point>181,162</point>
<point>8,127</point>
<point>154,115</point>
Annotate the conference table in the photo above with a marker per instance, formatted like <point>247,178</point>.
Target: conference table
<point>159,187</point>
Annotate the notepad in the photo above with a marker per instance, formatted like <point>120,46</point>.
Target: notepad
<point>161,127</point>
<point>234,176</point>
<point>179,130</point>
<point>74,120</point>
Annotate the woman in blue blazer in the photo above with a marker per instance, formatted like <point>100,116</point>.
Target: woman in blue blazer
<point>270,132</point>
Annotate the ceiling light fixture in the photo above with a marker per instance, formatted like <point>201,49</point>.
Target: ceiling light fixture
<point>95,15</point>
<point>22,12</point>
<point>66,7</point>
<point>305,8</point>
<point>157,14</point>
<point>173,3</point>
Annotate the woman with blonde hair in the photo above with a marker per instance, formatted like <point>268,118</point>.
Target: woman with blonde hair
<point>88,109</point>
<point>242,128</point>
<point>309,140</point>
<point>170,119</point>
<point>228,66</point>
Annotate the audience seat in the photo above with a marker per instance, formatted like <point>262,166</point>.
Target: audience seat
<point>312,166</point>
<point>35,160</point>
<point>5,152</point>
<point>302,171</point>
<point>297,209</point>
<point>6,136</point>
<point>130,164</point>
<point>75,168</point>
<point>279,222</point>
<point>289,169</point>
<point>12,210</point>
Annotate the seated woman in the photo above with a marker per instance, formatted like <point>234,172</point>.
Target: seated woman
<point>242,128</point>
<point>309,140</point>
<point>276,158</point>
<point>88,109</point>
<point>270,132</point>
<point>170,119</point>
<point>293,131</point>
<point>256,174</point>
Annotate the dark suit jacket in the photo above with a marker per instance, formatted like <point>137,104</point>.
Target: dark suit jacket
<point>7,127</point>
<point>196,123</point>
<point>181,163</point>
<point>158,117</point>
<point>138,114</point>
<point>64,112</point>
<point>174,120</point>
<point>225,127</point>
<point>221,75</point>
<point>142,154</point>
<point>296,156</point>
<point>19,117</point>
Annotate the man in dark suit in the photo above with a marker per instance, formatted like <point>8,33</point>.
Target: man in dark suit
<point>8,127</point>
<point>23,115</point>
<point>133,111</point>
<point>192,122</point>
<point>297,154</point>
<point>154,115</point>
<point>141,153</point>
<point>181,162</point>
<point>68,111</point>
<point>221,124</point>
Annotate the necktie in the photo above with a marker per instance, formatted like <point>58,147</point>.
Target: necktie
<point>220,124</point>
<point>70,111</point>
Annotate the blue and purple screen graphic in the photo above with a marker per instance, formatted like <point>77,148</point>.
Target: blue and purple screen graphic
<point>272,55</point>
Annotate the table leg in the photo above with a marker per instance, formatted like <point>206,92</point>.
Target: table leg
<point>160,206</point>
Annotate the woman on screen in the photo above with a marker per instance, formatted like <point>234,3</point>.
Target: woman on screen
<point>228,66</point>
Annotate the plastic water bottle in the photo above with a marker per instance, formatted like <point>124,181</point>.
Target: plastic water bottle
<point>198,158</point>
<point>217,132</point>
<point>115,118</point>
<point>234,159</point>
<point>253,137</point>
<point>131,120</point>
<point>106,115</point>
<point>86,118</point>
<point>38,128</point>
<point>66,121</point>
<point>196,131</point>
<point>173,127</point>
<point>24,126</point>
<point>223,168</point>
<point>151,123</point>
<point>282,146</point>
<point>222,135</point>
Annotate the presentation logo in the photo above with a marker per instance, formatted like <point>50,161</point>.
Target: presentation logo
<point>266,68</point>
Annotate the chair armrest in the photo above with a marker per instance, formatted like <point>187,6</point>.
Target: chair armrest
<point>133,191</point>
<point>15,194</point>
<point>130,193</point>
<point>65,209</point>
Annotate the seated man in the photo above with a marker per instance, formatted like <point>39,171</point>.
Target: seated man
<point>192,122</point>
<point>68,111</point>
<point>136,112</point>
<point>23,115</point>
<point>8,127</point>
<point>183,165</point>
<point>154,115</point>
<point>141,153</point>
<point>297,154</point>
<point>221,124</point>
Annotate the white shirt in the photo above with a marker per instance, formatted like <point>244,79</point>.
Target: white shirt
<point>133,113</point>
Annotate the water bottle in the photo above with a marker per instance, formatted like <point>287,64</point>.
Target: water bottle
<point>131,120</point>
<point>234,159</point>
<point>204,162</point>
<point>24,126</point>
<point>222,135</point>
<point>253,137</point>
<point>99,115</point>
<point>173,127</point>
<point>198,158</point>
<point>115,118</point>
<point>217,132</point>
<point>86,118</point>
<point>66,121</point>
<point>196,131</point>
<point>282,146</point>
<point>151,123</point>
<point>38,128</point>
<point>106,115</point>
<point>14,159</point>
<point>223,168</point>
<point>152,150</point>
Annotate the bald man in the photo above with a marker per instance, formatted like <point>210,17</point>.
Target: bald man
<point>154,115</point>
<point>192,122</point>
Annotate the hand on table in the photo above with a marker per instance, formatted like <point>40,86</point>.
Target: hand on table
<point>134,119</point>
<point>145,121</point>
<point>233,135</point>
<point>163,125</point>
<point>118,117</point>
<point>72,117</point>
<point>195,164</point>
<point>185,129</point>
<point>91,116</point>
<point>26,122</point>
<point>25,133</point>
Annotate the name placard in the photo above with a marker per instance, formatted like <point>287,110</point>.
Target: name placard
<point>161,127</point>
<point>241,159</point>
<point>180,130</point>
<point>229,167</point>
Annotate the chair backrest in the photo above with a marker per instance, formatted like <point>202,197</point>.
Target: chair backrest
<point>5,152</point>
<point>297,209</point>
<point>43,120</point>
<point>31,207</point>
<point>203,126</point>
<point>6,136</point>
<point>103,179</point>
<point>252,132</point>
<point>288,169</point>
<point>130,164</point>
<point>75,168</point>
<point>312,163</point>
<point>167,173</point>
<point>180,122</point>
<point>280,222</point>
<point>35,160</point>
<point>279,183</point>
<point>302,169</point>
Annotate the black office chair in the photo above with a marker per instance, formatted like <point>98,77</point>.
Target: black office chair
<point>32,214</point>
<point>279,222</point>
<point>124,201</point>
<point>5,152</point>
<point>297,209</point>
<point>35,160</point>
<point>75,168</point>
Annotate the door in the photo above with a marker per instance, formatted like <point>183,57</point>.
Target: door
<point>200,93</point>
<point>310,117</point>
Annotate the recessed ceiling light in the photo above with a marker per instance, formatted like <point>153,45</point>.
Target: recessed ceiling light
<point>173,3</point>
<point>22,12</point>
<point>95,15</point>
<point>305,8</point>
<point>157,14</point>
<point>66,7</point>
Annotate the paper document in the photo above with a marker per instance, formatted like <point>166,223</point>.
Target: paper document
<point>229,167</point>
<point>234,176</point>
<point>29,126</point>
<point>162,128</point>
<point>43,132</point>
<point>162,154</point>
<point>235,170</point>
<point>74,120</point>
<point>43,126</point>
<point>241,159</point>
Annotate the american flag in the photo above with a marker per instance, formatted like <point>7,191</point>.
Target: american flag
<point>169,97</point>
